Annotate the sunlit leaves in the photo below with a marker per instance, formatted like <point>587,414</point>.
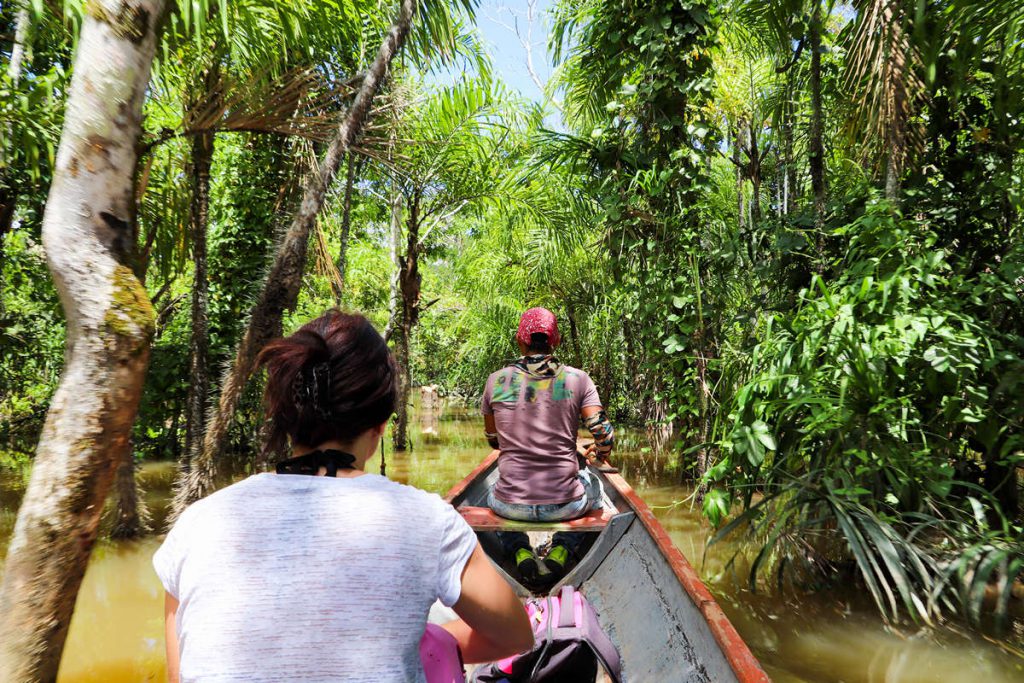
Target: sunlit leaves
<point>856,409</point>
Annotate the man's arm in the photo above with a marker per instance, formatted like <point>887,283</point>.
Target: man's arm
<point>491,430</point>
<point>597,423</point>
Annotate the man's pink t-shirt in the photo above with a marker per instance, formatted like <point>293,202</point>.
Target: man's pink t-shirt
<point>537,418</point>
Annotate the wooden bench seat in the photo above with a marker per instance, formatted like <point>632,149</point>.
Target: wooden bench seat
<point>484,519</point>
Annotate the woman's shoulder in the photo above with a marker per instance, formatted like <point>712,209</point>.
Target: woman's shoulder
<point>412,494</point>
<point>224,496</point>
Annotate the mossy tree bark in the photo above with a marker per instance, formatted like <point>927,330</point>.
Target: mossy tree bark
<point>281,289</point>
<point>88,239</point>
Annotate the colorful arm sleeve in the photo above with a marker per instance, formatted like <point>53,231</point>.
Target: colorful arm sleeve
<point>601,429</point>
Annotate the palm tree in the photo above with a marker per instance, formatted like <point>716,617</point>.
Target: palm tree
<point>787,30</point>
<point>281,287</point>
<point>226,76</point>
<point>885,81</point>
<point>450,162</point>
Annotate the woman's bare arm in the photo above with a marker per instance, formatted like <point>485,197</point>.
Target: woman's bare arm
<point>171,637</point>
<point>494,624</point>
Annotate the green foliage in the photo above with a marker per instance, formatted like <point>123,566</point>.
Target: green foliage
<point>31,342</point>
<point>889,369</point>
<point>844,381</point>
<point>872,403</point>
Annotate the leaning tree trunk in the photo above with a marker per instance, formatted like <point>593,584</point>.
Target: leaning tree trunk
<point>346,224</point>
<point>816,151</point>
<point>281,289</point>
<point>87,236</point>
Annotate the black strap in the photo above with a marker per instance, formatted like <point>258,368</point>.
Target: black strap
<point>331,459</point>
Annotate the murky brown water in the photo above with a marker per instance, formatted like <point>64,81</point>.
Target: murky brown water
<point>117,632</point>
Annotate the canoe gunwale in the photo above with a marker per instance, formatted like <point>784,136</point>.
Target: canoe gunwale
<point>460,489</point>
<point>740,658</point>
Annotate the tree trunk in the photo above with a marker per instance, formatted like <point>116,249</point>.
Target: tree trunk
<point>816,149</point>
<point>737,161</point>
<point>131,516</point>
<point>896,76</point>
<point>346,222</point>
<point>892,175</point>
<point>395,256</point>
<point>18,50</point>
<point>755,174</point>
<point>704,403</point>
<point>788,165</point>
<point>199,375</point>
<point>574,331</point>
<point>281,289</point>
<point>409,283</point>
<point>87,236</point>
<point>8,201</point>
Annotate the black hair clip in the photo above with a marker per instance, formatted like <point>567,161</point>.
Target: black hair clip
<point>314,389</point>
<point>322,390</point>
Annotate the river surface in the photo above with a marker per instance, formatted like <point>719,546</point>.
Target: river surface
<point>117,631</point>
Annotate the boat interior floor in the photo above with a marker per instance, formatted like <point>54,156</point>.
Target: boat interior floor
<point>540,541</point>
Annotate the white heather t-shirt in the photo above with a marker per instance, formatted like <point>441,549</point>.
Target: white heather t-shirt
<point>300,578</point>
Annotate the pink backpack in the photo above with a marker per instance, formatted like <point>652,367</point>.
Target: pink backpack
<point>568,645</point>
<point>442,660</point>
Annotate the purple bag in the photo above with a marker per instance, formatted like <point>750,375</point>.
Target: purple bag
<point>442,660</point>
<point>568,644</point>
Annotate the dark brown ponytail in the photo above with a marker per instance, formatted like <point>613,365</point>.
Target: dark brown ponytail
<point>332,380</point>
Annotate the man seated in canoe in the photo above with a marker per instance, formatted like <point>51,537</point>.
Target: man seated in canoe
<point>532,410</point>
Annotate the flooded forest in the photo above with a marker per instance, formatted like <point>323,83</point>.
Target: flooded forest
<point>784,238</point>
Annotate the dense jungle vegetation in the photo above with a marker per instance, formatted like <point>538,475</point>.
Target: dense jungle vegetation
<point>783,236</point>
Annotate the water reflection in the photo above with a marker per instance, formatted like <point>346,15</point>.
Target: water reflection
<point>117,632</point>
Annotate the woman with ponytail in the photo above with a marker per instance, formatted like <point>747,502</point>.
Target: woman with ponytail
<point>322,571</point>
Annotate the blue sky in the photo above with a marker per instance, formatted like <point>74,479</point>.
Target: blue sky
<point>497,21</point>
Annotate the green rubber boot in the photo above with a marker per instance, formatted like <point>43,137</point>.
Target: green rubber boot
<point>556,559</point>
<point>528,564</point>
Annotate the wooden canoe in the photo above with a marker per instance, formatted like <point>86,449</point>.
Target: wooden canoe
<point>651,602</point>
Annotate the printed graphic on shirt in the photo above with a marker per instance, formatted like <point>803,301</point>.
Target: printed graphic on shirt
<point>506,387</point>
<point>509,385</point>
<point>560,391</point>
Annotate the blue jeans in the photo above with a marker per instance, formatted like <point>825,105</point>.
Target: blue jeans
<point>511,541</point>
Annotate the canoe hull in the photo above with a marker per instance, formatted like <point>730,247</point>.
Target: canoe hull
<point>653,605</point>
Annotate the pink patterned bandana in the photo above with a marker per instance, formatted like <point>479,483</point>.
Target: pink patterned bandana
<point>538,321</point>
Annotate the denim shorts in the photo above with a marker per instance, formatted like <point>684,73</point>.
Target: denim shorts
<point>554,512</point>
